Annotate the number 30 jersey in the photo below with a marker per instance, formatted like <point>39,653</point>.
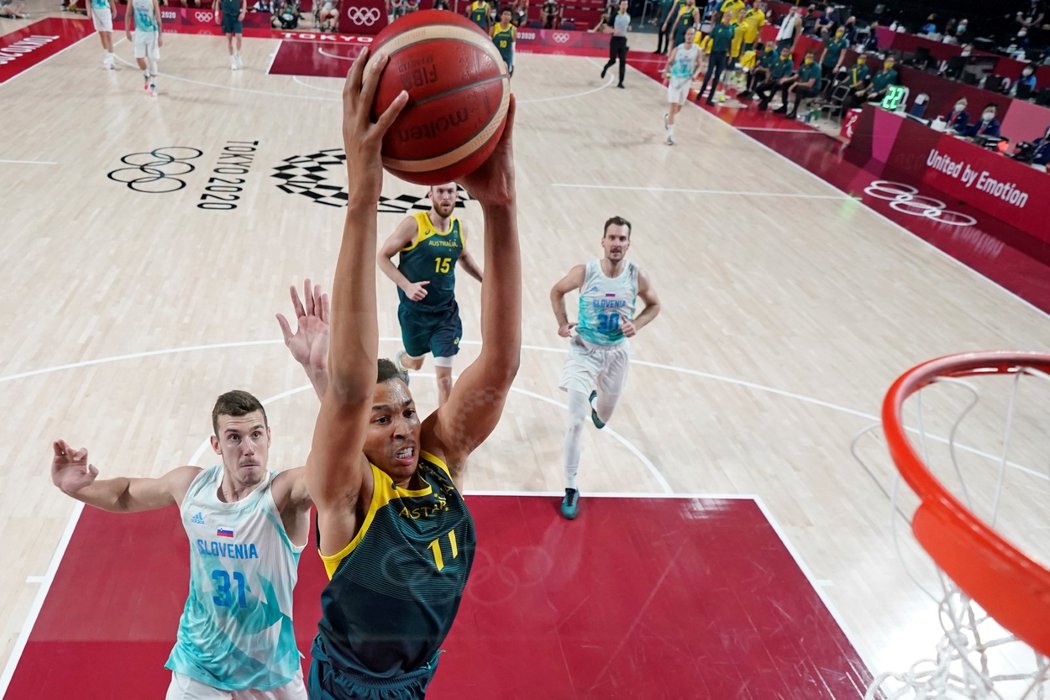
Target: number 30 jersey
<point>604,302</point>
<point>432,256</point>
<point>236,632</point>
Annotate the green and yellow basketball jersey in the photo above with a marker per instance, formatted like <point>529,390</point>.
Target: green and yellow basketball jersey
<point>479,14</point>
<point>432,256</point>
<point>395,589</point>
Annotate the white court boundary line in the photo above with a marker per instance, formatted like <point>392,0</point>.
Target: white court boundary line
<point>878,214</point>
<point>38,600</point>
<point>29,162</point>
<point>16,76</point>
<point>56,559</point>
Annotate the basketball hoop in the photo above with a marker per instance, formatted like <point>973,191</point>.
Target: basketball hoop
<point>994,601</point>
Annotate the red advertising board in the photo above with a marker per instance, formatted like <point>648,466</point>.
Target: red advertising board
<point>987,180</point>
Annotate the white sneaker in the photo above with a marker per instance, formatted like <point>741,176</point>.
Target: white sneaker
<point>152,89</point>
<point>669,141</point>
<point>233,63</point>
<point>240,63</point>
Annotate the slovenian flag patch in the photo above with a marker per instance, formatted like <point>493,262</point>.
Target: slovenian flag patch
<point>223,532</point>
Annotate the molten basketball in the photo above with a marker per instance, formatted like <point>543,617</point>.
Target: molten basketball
<point>458,96</point>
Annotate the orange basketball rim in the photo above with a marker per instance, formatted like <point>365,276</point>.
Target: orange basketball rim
<point>1009,585</point>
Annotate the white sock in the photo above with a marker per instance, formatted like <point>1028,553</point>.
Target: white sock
<point>579,410</point>
<point>153,67</point>
<point>670,134</point>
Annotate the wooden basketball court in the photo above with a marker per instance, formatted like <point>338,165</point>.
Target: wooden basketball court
<point>788,307</point>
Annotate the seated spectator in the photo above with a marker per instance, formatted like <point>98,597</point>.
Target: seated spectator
<point>954,66</point>
<point>1025,85</point>
<point>411,6</point>
<point>550,14</point>
<point>958,119</point>
<point>781,76</point>
<point>807,85</point>
<point>857,78</point>
<point>849,30</point>
<point>519,13</point>
<point>16,9</point>
<point>960,29</point>
<point>931,25</point>
<point>988,125</point>
<point>397,8</point>
<point>261,6</point>
<point>761,72</point>
<point>440,4</point>
<point>326,17</point>
<point>871,42</point>
<point>286,16</point>
<point>878,87</point>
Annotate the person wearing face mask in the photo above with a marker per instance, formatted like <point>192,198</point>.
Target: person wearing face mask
<point>958,119</point>
<point>960,28</point>
<point>759,75</point>
<point>1025,85</point>
<point>807,85</point>
<point>877,88</point>
<point>833,54</point>
<point>856,79</point>
<point>988,125</point>
<point>781,75</point>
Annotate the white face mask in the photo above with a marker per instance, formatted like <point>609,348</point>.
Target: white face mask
<point>1026,72</point>
<point>988,116</point>
<point>960,106</point>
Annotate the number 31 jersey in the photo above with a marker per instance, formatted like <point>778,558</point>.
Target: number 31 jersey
<point>236,632</point>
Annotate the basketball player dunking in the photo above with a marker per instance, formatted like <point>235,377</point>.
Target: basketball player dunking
<point>393,530</point>
<point>595,370</point>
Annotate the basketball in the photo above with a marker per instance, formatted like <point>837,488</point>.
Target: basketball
<point>458,96</point>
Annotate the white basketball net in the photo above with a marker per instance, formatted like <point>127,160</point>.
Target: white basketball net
<point>1007,484</point>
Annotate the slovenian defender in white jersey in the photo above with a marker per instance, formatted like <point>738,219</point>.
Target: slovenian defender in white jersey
<point>683,67</point>
<point>246,527</point>
<point>148,38</point>
<point>595,370</point>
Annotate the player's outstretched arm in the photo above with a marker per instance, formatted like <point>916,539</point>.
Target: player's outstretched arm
<point>571,281</point>
<point>336,467</point>
<point>309,343</point>
<point>474,407</point>
<point>75,476</point>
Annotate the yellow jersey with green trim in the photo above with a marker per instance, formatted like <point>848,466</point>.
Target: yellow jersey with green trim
<point>396,587</point>
<point>432,256</point>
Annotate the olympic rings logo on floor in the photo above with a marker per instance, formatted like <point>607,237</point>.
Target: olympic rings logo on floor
<point>363,15</point>
<point>154,171</point>
<point>906,200</point>
<point>204,16</point>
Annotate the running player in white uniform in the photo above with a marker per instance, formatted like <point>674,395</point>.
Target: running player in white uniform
<point>246,527</point>
<point>683,67</point>
<point>102,19</point>
<point>595,370</point>
<point>147,39</point>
